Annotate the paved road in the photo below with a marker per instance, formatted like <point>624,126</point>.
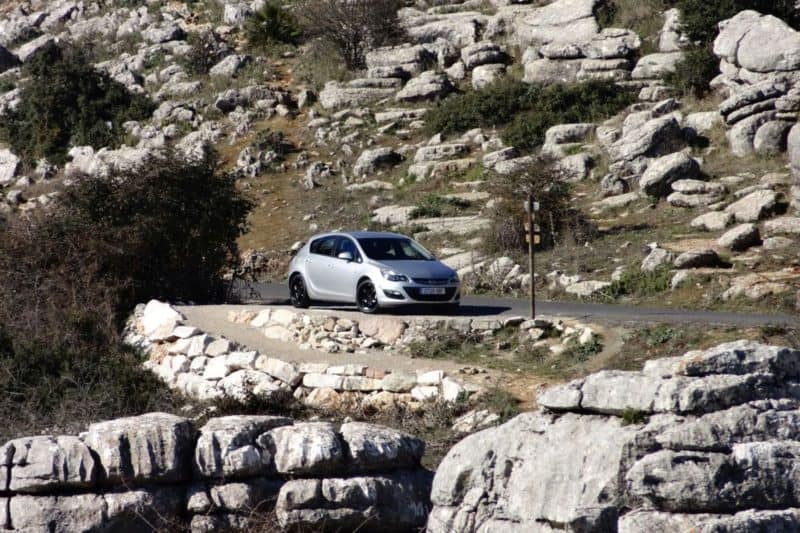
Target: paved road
<point>277,294</point>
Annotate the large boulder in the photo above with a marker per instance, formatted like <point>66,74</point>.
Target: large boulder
<point>756,206</point>
<point>396,502</point>
<point>42,464</point>
<point>375,448</point>
<point>758,43</point>
<point>428,85</point>
<point>664,171</point>
<point>371,160</point>
<point>658,136</point>
<point>226,447</point>
<point>561,22</point>
<point>702,442</point>
<point>147,448</point>
<point>310,448</point>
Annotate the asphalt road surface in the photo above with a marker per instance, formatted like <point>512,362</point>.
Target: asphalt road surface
<point>487,306</point>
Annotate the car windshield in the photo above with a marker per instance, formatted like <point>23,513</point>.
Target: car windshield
<point>394,249</point>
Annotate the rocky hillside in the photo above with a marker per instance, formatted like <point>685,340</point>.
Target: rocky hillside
<point>686,200</point>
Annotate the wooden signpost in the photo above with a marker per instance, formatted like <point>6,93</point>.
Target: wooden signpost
<point>533,236</point>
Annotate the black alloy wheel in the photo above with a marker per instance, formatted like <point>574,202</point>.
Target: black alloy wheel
<point>297,292</point>
<point>366,297</point>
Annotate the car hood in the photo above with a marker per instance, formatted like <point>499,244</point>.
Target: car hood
<point>419,269</point>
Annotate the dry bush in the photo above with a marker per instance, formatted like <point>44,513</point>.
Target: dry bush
<point>352,26</point>
<point>556,216</point>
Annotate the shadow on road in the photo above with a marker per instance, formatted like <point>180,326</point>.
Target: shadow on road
<point>464,310</point>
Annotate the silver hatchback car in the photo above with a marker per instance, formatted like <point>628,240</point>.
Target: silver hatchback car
<point>372,270</point>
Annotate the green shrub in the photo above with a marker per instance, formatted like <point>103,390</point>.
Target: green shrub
<point>640,283</point>
<point>634,417</point>
<point>274,141</point>
<point>272,24</point>
<point>583,352</point>
<point>695,71</point>
<point>432,206</point>
<point>66,102</point>
<point>72,275</point>
<point>528,109</point>
<point>561,104</point>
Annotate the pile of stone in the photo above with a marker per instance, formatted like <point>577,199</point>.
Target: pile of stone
<point>156,472</point>
<point>706,441</point>
<point>206,367</point>
<point>759,78</point>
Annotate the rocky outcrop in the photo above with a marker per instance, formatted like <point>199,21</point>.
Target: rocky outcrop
<point>706,440</point>
<point>760,67</point>
<point>152,472</point>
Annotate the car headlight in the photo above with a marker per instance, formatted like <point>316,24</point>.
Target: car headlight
<point>453,279</point>
<point>393,276</point>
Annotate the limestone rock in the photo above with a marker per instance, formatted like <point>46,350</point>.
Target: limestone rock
<point>429,84</point>
<point>656,137</point>
<point>758,43</point>
<point>371,160</point>
<point>150,447</point>
<point>699,259</point>
<point>304,448</point>
<point>659,176</point>
<point>47,464</point>
<point>375,448</point>
<point>755,206</point>
<point>226,447</point>
<point>740,238</point>
<point>391,503</point>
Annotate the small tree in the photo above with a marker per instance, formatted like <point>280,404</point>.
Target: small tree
<point>544,182</point>
<point>353,26</point>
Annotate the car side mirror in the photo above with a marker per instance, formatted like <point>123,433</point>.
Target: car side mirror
<point>347,256</point>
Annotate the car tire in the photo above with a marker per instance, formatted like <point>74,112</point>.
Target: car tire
<point>367,297</point>
<point>298,293</point>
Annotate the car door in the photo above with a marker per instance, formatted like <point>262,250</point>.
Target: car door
<point>343,279</point>
<point>319,267</point>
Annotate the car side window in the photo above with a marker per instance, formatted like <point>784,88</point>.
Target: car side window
<point>323,246</point>
<point>347,245</point>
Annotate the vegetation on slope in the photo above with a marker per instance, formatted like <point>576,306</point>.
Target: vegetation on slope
<point>66,102</point>
<point>526,111</point>
<point>72,275</point>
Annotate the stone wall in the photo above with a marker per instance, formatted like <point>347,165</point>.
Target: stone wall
<point>157,472</point>
<point>707,441</point>
<point>207,367</point>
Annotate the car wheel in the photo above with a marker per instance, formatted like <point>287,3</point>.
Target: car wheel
<point>298,293</point>
<point>367,297</point>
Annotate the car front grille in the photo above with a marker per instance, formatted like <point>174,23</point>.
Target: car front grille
<point>415,294</point>
<point>430,281</point>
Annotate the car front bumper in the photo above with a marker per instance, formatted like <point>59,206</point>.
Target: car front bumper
<point>405,293</point>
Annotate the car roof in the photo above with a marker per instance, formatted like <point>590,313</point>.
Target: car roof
<point>360,234</point>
